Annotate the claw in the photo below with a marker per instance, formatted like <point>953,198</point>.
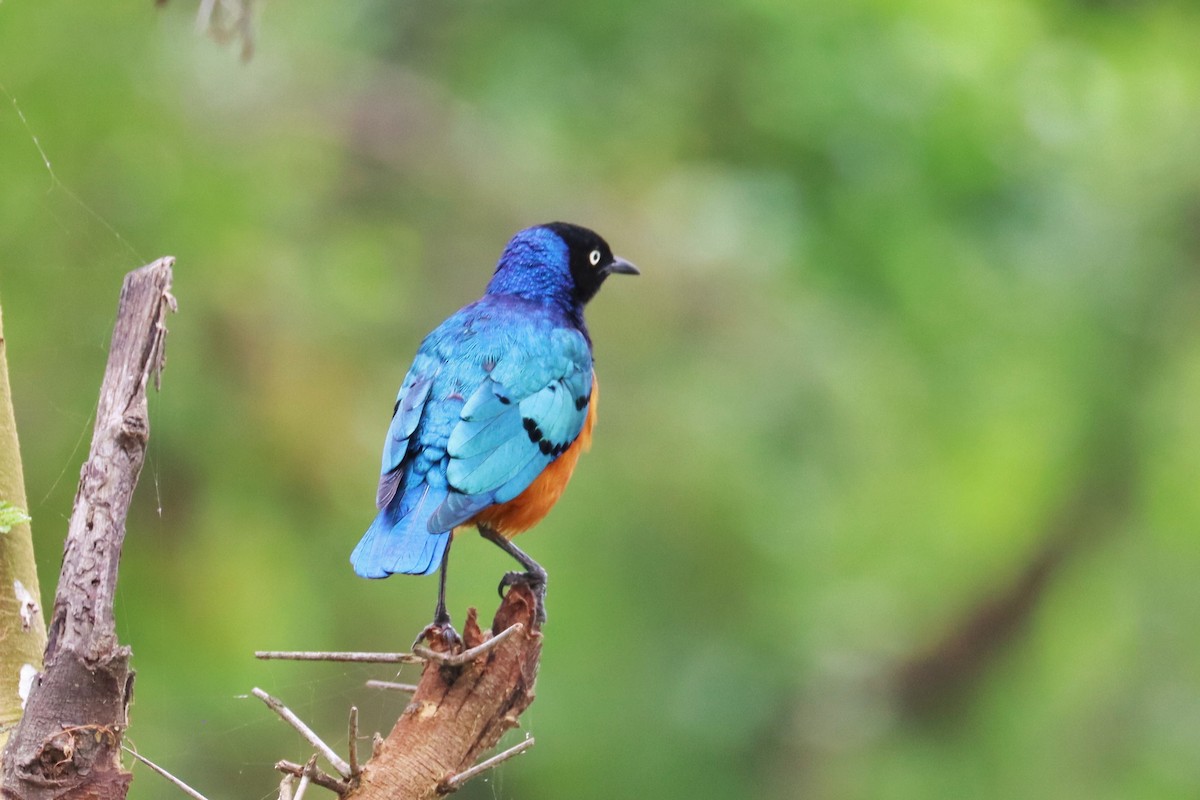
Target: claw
<point>536,584</point>
<point>440,634</point>
<point>534,576</point>
<point>512,579</point>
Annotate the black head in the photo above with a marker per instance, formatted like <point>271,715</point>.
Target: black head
<point>591,259</point>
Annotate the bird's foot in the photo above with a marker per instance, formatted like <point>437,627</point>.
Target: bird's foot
<point>536,584</point>
<point>441,636</point>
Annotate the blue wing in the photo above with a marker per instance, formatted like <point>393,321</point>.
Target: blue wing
<point>399,541</point>
<point>410,405</point>
<point>410,489</point>
<point>528,409</point>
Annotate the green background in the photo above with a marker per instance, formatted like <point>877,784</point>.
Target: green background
<point>918,314</point>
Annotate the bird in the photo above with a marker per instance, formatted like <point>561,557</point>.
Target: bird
<point>493,414</point>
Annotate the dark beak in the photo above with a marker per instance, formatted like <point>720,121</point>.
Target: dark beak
<point>622,266</point>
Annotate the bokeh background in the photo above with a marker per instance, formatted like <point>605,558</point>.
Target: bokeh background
<point>894,491</point>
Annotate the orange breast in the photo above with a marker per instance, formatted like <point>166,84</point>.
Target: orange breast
<point>530,506</point>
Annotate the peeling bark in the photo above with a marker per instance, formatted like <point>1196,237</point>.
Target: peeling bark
<point>458,713</point>
<point>68,742</point>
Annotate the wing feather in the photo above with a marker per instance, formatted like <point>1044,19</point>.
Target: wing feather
<point>485,403</point>
<point>527,412</point>
<point>410,405</point>
<point>471,438</point>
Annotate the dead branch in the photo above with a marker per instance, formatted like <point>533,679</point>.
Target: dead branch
<point>68,743</point>
<point>338,655</point>
<point>450,659</point>
<point>352,743</point>
<point>391,686</point>
<point>455,782</point>
<point>309,735</point>
<point>459,711</point>
<point>312,773</point>
<point>471,691</point>
<point>179,784</point>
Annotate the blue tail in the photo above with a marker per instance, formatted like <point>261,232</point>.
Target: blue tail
<point>398,543</point>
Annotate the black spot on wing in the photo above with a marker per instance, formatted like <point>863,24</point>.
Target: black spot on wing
<point>536,436</point>
<point>580,402</point>
<point>531,428</point>
<point>553,450</point>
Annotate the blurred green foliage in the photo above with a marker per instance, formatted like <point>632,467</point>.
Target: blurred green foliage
<point>917,277</point>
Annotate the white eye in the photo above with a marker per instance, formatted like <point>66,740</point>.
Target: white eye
<point>594,257</point>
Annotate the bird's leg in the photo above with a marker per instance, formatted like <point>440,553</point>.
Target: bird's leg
<point>441,617</point>
<point>533,576</point>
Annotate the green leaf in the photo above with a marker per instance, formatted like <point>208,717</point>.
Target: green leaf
<point>10,515</point>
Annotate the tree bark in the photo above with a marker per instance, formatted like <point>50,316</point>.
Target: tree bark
<point>22,626</point>
<point>68,742</point>
<point>458,713</point>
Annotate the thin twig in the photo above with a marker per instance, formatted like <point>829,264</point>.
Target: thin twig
<point>352,737</point>
<point>285,787</point>
<point>283,711</point>
<point>392,686</point>
<point>315,774</point>
<point>189,791</point>
<point>370,658</point>
<point>302,787</point>
<point>305,777</point>
<point>458,659</point>
<point>454,782</point>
